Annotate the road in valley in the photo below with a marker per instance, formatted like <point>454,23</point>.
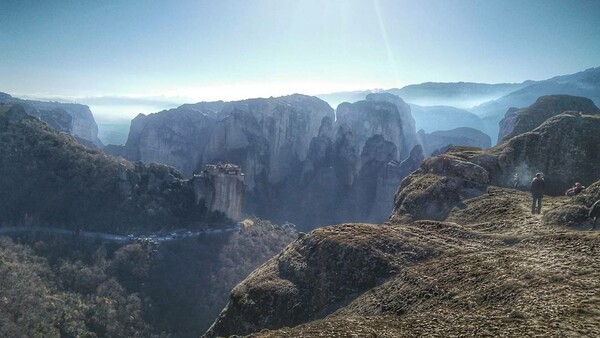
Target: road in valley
<point>151,237</point>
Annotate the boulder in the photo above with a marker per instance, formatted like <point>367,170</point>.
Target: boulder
<point>527,119</point>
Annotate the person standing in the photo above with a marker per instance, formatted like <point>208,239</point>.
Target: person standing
<point>595,213</point>
<point>537,191</point>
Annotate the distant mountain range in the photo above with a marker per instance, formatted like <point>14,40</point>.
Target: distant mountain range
<point>488,101</point>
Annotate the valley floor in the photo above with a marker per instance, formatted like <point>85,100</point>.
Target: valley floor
<point>500,272</point>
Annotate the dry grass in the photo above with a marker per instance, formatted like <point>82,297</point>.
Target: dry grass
<point>501,272</point>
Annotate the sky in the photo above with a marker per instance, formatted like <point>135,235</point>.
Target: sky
<point>161,53</point>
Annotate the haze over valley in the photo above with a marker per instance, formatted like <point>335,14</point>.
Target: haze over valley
<point>299,169</point>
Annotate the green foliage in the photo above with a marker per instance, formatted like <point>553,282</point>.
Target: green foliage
<point>71,299</point>
<point>73,287</point>
<point>47,178</point>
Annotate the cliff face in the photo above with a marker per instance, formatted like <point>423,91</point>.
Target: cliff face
<point>461,255</point>
<point>527,119</point>
<point>47,178</point>
<point>406,118</point>
<point>565,149</point>
<point>464,136</point>
<point>174,137</point>
<point>221,188</point>
<point>268,137</point>
<point>289,149</point>
<point>353,167</point>
<point>82,124</point>
<point>365,119</point>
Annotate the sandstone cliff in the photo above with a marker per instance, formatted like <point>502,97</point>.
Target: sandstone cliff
<point>354,165</point>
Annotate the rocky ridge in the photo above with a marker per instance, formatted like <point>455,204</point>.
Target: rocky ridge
<point>289,148</point>
<point>523,120</point>
<point>462,254</point>
<point>47,178</point>
<point>74,119</point>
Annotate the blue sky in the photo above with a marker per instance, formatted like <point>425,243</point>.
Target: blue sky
<point>205,50</point>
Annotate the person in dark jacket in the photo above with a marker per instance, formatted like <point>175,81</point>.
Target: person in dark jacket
<point>537,191</point>
<point>595,213</point>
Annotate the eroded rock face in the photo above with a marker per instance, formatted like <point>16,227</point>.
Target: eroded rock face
<point>576,211</point>
<point>464,136</point>
<point>295,286</point>
<point>507,124</point>
<point>319,279</point>
<point>300,163</point>
<point>221,188</point>
<point>267,137</point>
<point>408,121</point>
<point>527,119</point>
<point>49,178</point>
<point>352,168</point>
<point>82,124</point>
<point>565,148</point>
<point>436,187</point>
<point>368,118</point>
<point>175,137</point>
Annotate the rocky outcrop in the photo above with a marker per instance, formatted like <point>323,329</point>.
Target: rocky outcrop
<point>436,187</point>
<point>406,116</point>
<point>82,124</point>
<point>353,167</point>
<point>301,164</point>
<point>575,213</point>
<point>49,179</point>
<point>295,287</point>
<point>507,124</point>
<point>221,188</point>
<point>565,148</point>
<point>455,241</point>
<point>365,119</point>
<point>464,136</point>
<point>175,137</point>
<point>387,181</point>
<point>267,137</point>
<point>582,84</point>
<point>527,119</point>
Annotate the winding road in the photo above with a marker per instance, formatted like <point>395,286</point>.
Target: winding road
<point>120,238</point>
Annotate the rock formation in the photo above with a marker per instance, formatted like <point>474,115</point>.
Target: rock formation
<point>527,119</point>
<point>582,84</point>
<point>464,136</point>
<point>267,137</point>
<point>459,248</point>
<point>365,119</point>
<point>406,116</point>
<point>175,137</point>
<point>80,123</point>
<point>221,188</point>
<point>300,163</point>
<point>49,179</point>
